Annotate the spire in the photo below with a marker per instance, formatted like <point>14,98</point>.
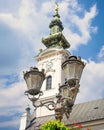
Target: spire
<point>56,38</point>
<point>56,24</point>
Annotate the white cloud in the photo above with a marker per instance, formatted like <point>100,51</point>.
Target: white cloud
<point>92,83</point>
<point>22,18</point>
<point>12,97</point>
<point>83,25</point>
<point>29,20</point>
<point>13,103</point>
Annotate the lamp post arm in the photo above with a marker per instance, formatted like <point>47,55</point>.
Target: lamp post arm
<point>50,105</point>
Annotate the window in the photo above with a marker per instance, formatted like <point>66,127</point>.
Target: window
<point>48,82</point>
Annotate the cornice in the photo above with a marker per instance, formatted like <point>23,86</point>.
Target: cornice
<point>51,52</point>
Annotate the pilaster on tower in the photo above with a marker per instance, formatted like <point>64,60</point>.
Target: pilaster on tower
<point>56,37</point>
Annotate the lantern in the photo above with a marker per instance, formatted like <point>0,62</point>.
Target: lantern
<point>34,79</point>
<point>73,68</point>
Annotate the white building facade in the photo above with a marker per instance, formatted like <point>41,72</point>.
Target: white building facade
<point>51,60</point>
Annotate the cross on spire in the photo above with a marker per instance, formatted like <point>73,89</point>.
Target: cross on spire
<point>56,7</point>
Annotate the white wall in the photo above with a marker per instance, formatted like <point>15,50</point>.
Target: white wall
<point>56,56</point>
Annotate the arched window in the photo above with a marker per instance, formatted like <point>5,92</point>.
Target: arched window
<point>49,82</point>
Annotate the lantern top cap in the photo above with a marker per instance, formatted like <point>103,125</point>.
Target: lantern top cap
<point>33,70</point>
<point>77,58</point>
<point>73,59</point>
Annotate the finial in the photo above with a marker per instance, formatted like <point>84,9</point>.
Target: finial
<point>56,7</point>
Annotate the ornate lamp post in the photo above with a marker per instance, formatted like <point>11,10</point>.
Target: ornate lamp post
<point>72,68</point>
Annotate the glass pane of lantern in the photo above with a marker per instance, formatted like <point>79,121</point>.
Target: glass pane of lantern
<point>28,81</point>
<point>36,81</point>
<point>69,70</point>
<point>78,70</point>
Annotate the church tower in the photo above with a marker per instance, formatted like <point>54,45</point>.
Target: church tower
<point>51,60</point>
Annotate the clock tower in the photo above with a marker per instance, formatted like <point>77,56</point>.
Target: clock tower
<point>51,60</point>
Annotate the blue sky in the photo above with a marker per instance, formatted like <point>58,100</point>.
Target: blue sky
<point>22,25</point>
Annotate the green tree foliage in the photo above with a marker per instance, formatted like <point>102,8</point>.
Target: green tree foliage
<point>54,125</point>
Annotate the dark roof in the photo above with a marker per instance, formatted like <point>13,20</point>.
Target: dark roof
<point>83,112</point>
<point>88,111</point>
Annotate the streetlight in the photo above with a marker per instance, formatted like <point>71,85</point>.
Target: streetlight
<point>72,68</point>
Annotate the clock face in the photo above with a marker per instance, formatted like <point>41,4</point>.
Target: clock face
<point>49,65</point>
